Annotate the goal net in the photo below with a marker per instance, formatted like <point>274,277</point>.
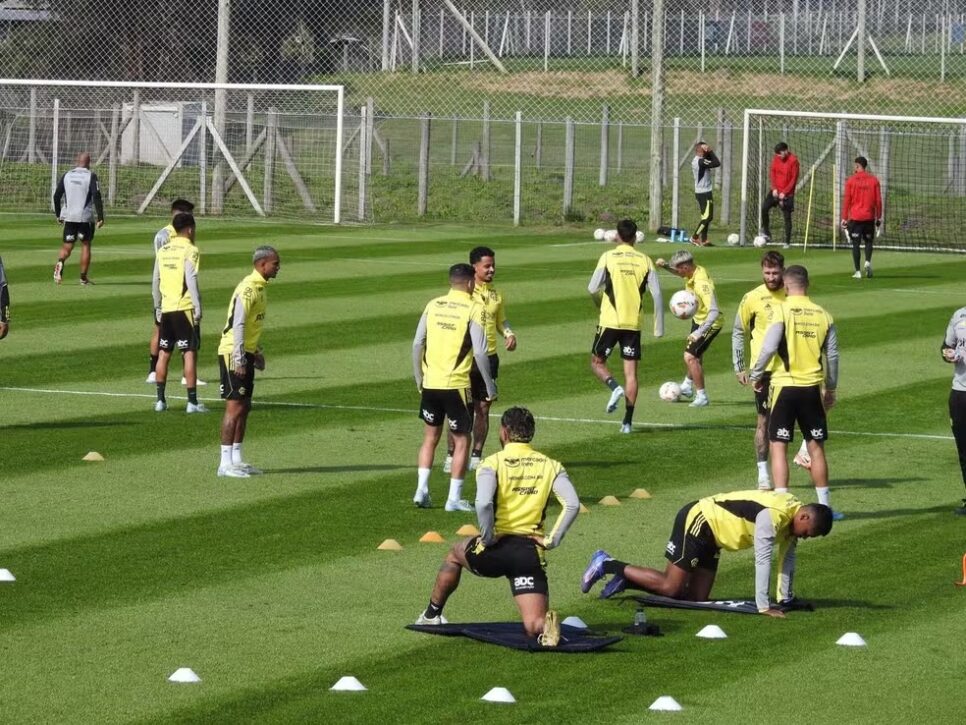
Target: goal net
<point>920,163</point>
<point>233,150</point>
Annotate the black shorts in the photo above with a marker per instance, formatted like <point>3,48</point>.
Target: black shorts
<point>477,386</point>
<point>436,405</point>
<point>178,332</point>
<point>79,232</point>
<point>861,232</point>
<point>761,398</point>
<point>692,545</point>
<point>697,347</point>
<point>518,558</point>
<point>802,405</point>
<point>608,338</point>
<point>233,387</point>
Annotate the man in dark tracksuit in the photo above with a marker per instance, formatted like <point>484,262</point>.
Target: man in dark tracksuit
<point>861,213</point>
<point>704,160</point>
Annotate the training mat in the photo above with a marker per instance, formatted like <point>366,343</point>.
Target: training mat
<point>740,606</point>
<point>573,640</point>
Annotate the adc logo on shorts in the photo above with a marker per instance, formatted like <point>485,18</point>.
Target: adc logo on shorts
<point>628,350</point>
<point>671,548</point>
<point>182,344</point>
<point>241,390</point>
<point>523,582</point>
<point>817,433</point>
<point>453,425</point>
<point>427,416</point>
<point>783,434</point>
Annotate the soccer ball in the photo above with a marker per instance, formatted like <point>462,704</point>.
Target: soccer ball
<point>640,237</point>
<point>760,241</point>
<point>683,304</point>
<point>599,235</point>
<point>670,391</point>
<point>733,240</point>
<point>610,235</point>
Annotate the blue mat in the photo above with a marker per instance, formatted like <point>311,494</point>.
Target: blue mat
<point>739,606</point>
<point>573,640</point>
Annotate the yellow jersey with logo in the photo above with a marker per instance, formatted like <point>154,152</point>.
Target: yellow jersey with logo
<point>701,284</point>
<point>448,352</point>
<point>163,235</point>
<point>492,302</point>
<point>250,294</point>
<point>626,273</point>
<point>524,483</point>
<point>731,517</point>
<point>803,345</point>
<point>757,311</point>
<point>171,265</point>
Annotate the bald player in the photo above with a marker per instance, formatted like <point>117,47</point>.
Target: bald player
<point>78,207</point>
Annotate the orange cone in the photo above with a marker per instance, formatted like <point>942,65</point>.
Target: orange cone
<point>432,537</point>
<point>963,582</point>
<point>390,545</point>
<point>467,530</point>
<point>584,509</point>
<point>609,501</point>
<point>640,493</point>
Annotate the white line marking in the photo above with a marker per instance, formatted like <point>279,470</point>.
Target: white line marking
<point>555,419</point>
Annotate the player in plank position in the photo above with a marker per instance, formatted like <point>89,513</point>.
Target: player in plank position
<point>512,491</point>
<point>771,523</point>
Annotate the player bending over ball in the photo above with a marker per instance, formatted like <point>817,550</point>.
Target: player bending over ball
<point>771,523</point>
<point>512,491</point>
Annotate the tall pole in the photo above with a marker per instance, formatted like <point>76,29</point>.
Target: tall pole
<point>386,16</point>
<point>635,38</point>
<point>860,44</point>
<point>218,117</point>
<point>655,195</point>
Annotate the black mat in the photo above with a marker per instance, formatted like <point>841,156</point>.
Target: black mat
<point>573,640</point>
<point>739,606</point>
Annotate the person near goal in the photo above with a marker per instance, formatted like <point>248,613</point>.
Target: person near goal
<point>862,213</point>
<point>783,175</point>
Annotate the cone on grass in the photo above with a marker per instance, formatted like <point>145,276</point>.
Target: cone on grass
<point>640,493</point>
<point>666,703</point>
<point>348,684</point>
<point>574,621</point>
<point>184,675</point>
<point>584,509</point>
<point>963,582</point>
<point>711,631</point>
<point>390,545</point>
<point>499,694</point>
<point>467,530</point>
<point>7,576</point>
<point>432,537</point>
<point>93,456</point>
<point>851,639</point>
<point>609,501</point>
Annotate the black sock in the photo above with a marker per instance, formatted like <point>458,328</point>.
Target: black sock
<point>161,392</point>
<point>449,452</point>
<point>193,396</point>
<point>433,610</point>
<point>611,383</point>
<point>856,256</point>
<point>614,567</point>
<point>628,414</point>
<point>477,452</point>
<point>154,364</point>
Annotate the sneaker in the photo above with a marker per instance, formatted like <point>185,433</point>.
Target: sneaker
<point>461,505</point>
<point>615,398</point>
<point>764,483</point>
<point>616,585</point>
<point>595,570</point>
<point>248,468</point>
<point>625,427</point>
<point>58,272</point>
<point>961,511</point>
<point>686,391</point>
<point>701,401</point>
<point>868,270</point>
<point>448,464</point>
<point>551,630</point>
<point>198,383</point>
<point>857,275</point>
<point>231,472</point>
<point>475,462</point>
<point>196,408</point>
<point>160,406</point>
<point>837,516</point>
<point>152,378</point>
<point>803,460</point>
<point>86,281</point>
<point>422,500</point>
<point>424,620</point>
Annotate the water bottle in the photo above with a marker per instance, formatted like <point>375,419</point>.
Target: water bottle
<point>640,618</point>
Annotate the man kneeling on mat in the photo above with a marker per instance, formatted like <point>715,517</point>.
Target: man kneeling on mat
<point>732,521</point>
<point>512,490</point>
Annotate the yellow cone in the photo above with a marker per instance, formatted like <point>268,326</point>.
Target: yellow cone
<point>609,501</point>
<point>584,509</point>
<point>432,537</point>
<point>93,456</point>
<point>390,545</point>
<point>640,493</point>
<point>468,530</point>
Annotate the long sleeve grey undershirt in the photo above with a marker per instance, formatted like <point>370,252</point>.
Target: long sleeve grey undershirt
<point>713,314</point>
<point>191,282</point>
<point>156,285</point>
<point>597,280</point>
<point>955,340</point>
<point>653,283</point>
<point>764,554</point>
<point>238,333</point>
<point>738,344</point>
<point>478,338</point>
<point>419,344</point>
<point>832,358</point>
<point>563,489</point>
<point>773,338</point>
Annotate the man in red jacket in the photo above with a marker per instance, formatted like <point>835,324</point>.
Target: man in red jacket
<point>784,177</point>
<point>862,212</point>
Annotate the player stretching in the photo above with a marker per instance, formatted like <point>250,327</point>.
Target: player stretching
<point>861,213</point>
<point>732,521</point>
<point>701,165</point>
<point>800,335</point>
<point>705,325</point>
<point>81,215</point>
<point>617,287</point>
<point>177,308</point>
<point>4,303</point>
<point>783,175</point>
<point>954,351</point>
<point>512,491</point>
<point>755,314</point>
<point>450,328</point>
<point>483,260</point>
<point>239,354</point>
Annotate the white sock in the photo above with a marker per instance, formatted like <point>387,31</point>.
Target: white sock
<point>236,456</point>
<point>225,456</point>
<point>803,451</point>
<point>700,393</point>
<point>455,489</point>
<point>762,469</point>
<point>781,490</point>
<point>823,496</point>
<point>686,383</point>
<point>422,479</point>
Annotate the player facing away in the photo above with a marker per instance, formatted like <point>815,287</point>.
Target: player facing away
<point>78,207</point>
<point>705,325</point>
<point>4,303</point>
<point>617,288</point>
<point>513,488</point>
<point>861,213</point>
<point>954,351</point>
<point>177,308</point>
<point>801,335</point>
<point>755,314</point>
<point>450,334</point>
<point>771,523</point>
<point>783,176</point>
<point>239,355</point>
<point>483,261</point>
<point>701,166</point>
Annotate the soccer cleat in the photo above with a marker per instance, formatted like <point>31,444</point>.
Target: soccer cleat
<point>424,620</point>
<point>595,570</point>
<point>764,483</point>
<point>615,398</point>
<point>248,468</point>
<point>58,272</point>
<point>857,275</point>
<point>448,464</point>
<point>616,585</point>
<point>837,516</point>
<point>625,427</point>
<point>700,401</point>
<point>198,383</point>
<point>152,378</point>
<point>86,281</point>
<point>160,406</point>
<point>461,505</point>
<point>803,460</point>
<point>686,390</point>
<point>868,269</point>
<point>551,630</point>
<point>196,408</point>
<point>475,462</point>
<point>231,472</point>
<point>961,511</point>
<point>422,499</point>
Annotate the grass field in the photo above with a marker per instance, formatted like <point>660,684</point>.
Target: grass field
<point>272,588</point>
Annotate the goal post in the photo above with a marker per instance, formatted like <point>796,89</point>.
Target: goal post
<point>920,162</point>
<point>280,151</point>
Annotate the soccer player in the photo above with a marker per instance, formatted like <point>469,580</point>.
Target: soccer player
<point>954,351</point>
<point>705,325</point>
<point>801,334</point>
<point>179,206</point>
<point>483,261</point>
<point>861,213</point>
<point>239,355</point>
<point>450,327</point>
<point>4,303</point>
<point>755,314</point>
<point>78,207</point>
<point>701,165</point>
<point>783,175</point>
<point>177,308</point>
<point>512,491</point>
<point>771,523</point>
<point>617,288</point>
